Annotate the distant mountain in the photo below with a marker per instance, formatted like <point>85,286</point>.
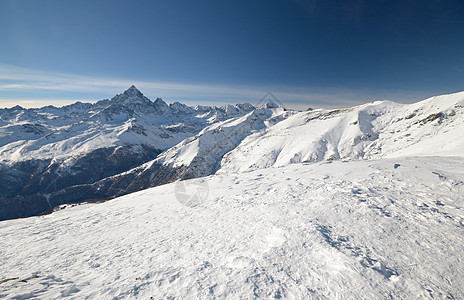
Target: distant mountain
<point>46,150</point>
<point>85,152</point>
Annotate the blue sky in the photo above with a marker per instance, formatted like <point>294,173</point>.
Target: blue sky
<point>308,53</point>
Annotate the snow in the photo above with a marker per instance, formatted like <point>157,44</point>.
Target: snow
<point>363,229</point>
<point>205,150</point>
<point>364,202</point>
<point>379,129</point>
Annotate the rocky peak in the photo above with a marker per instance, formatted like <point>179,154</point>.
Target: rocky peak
<point>180,108</point>
<point>132,98</point>
<point>133,91</point>
<point>16,107</point>
<point>161,107</point>
<point>160,103</point>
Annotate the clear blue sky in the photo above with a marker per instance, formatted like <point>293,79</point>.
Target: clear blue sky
<point>314,53</point>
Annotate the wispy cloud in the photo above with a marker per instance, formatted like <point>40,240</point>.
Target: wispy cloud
<point>28,103</point>
<point>45,88</point>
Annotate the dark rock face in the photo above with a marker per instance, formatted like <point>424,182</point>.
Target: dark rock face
<point>32,187</point>
<point>107,188</point>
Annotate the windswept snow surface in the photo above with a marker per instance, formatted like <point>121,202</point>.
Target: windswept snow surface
<point>379,229</point>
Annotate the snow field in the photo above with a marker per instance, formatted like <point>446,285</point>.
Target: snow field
<point>390,228</point>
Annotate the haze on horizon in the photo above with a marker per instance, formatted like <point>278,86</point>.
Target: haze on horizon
<point>308,53</point>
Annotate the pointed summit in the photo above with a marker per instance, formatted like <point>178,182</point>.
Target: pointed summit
<point>133,91</point>
<point>160,102</point>
<point>131,95</point>
<point>17,107</point>
<point>131,100</point>
<point>161,107</point>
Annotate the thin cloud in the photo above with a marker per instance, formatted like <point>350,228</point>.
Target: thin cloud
<point>32,103</point>
<point>39,85</point>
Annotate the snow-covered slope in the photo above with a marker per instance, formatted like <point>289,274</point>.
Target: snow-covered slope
<point>377,229</point>
<point>434,126</point>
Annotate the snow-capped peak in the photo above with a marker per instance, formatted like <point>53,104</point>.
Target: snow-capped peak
<point>270,104</point>
<point>16,107</point>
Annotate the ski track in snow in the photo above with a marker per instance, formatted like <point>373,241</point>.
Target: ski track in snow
<point>378,229</point>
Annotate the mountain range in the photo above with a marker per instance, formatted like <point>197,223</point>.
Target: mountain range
<point>48,153</point>
<point>91,152</point>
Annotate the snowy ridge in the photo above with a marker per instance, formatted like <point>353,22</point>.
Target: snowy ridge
<point>216,140</point>
<point>380,129</point>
